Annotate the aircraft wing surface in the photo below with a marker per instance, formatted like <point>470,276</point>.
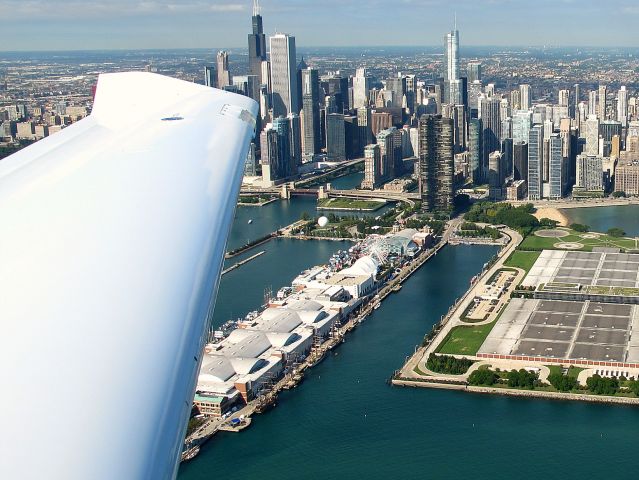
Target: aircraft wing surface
<point>112,236</point>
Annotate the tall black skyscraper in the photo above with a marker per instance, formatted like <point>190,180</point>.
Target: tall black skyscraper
<point>436,163</point>
<point>257,43</point>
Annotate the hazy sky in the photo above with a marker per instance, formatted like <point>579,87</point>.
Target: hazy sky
<point>105,24</point>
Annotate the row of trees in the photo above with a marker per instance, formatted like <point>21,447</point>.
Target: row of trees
<point>477,232</point>
<point>596,384</point>
<point>563,383</point>
<point>613,232</point>
<point>602,385</point>
<point>448,364</point>
<point>518,218</point>
<point>483,377</point>
<point>522,379</point>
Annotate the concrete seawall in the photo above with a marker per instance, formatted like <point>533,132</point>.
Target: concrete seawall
<point>581,397</point>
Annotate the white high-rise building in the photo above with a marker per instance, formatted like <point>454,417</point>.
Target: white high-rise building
<point>452,84</point>
<point>603,97</point>
<point>622,106</point>
<point>361,87</point>
<point>564,98</point>
<point>451,56</point>
<point>524,97</point>
<point>535,159</point>
<point>284,75</point>
<point>592,102</point>
<point>592,136</point>
<point>522,122</point>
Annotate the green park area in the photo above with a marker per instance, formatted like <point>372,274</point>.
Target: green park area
<point>534,242</point>
<point>349,204</point>
<point>463,340</point>
<point>522,259</point>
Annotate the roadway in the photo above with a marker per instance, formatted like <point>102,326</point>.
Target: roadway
<point>453,318</point>
<point>580,203</point>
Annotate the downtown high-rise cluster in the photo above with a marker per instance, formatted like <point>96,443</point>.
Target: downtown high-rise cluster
<point>448,132</point>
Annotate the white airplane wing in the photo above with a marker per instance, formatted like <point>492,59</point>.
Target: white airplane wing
<point>112,234</point>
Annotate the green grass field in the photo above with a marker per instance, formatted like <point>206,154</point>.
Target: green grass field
<point>464,340</point>
<point>349,204</point>
<point>535,243</point>
<point>523,260</point>
<point>572,371</point>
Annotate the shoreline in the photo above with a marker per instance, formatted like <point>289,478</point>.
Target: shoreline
<point>552,213</point>
<point>581,397</point>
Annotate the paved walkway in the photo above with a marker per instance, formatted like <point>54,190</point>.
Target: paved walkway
<point>453,319</point>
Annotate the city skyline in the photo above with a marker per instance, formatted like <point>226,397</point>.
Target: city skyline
<point>117,24</point>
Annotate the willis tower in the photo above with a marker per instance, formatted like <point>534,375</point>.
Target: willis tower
<point>257,44</point>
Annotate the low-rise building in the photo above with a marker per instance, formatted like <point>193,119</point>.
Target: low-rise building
<point>516,190</point>
<point>627,178</point>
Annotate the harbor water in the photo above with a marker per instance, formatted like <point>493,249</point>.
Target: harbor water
<point>600,219</point>
<point>344,421</point>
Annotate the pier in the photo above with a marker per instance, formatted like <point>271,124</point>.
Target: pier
<point>269,398</point>
<point>243,262</point>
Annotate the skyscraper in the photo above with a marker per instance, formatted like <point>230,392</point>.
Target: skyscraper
<point>592,136</point>
<point>283,75</point>
<point>257,43</point>
<point>522,121</point>
<point>364,122</point>
<point>495,176</point>
<point>592,102</point>
<point>397,85</point>
<point>295,141</point>
<point>524,97</point>
<point>603,102</point>
<point>436,163</point>
<point>476,149</point>
<point>535,157</point>
<point>556,170</point>
<point>372,160</point>
<point>335,137</point>
<point>361,87</point>
<point>451,55</point>
<point>311,113</point>
<point>622,106</point>
<point>452,85</point>
<point>564,98</point>
<point>389,142</point>
<point>473,71</point>
<point>275,146</point>
<point>589,173</point>
<point>489,112</point>
<point>209,76</point>
<point>520,161</point>
<point>223,73</point>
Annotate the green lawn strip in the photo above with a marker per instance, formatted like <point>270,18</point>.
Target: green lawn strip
<point>533,242</point>
<point>555,369</point>
<point>418,371</point>
<point>348,203</point>
<point>523,260</point>
<point>465,340</point>
<point>574,371</point>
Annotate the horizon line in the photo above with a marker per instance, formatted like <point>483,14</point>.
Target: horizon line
<point>125,49</point>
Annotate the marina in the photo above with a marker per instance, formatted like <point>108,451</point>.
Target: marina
<point>342,261</point>
<point>351,380</point>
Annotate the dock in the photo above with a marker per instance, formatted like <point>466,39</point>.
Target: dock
<point>268,399</point>
<point>243,262</point>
